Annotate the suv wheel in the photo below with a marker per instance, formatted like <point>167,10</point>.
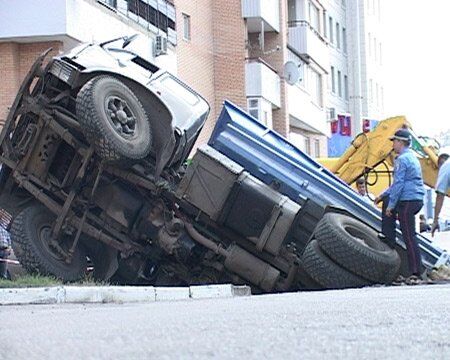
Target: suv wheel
<point>113,120</point>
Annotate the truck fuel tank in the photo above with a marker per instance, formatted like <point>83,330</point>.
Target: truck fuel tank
<point>237,200</point>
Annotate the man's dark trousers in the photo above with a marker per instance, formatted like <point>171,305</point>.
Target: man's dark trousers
<point>406,211</point>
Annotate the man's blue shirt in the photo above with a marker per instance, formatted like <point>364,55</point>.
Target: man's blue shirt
<point>408,182</point>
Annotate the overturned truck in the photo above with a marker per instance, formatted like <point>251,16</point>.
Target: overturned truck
<point>94,171</point>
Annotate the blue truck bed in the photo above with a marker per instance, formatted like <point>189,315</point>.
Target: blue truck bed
<point>275,161</point>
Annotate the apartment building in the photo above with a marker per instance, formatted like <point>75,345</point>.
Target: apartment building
<point>364,19</point>
<point>296,65</point>
<point>238,50</point>
<point>28,27</point>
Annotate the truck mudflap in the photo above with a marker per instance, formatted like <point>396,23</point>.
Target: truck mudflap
<point>275,161</point>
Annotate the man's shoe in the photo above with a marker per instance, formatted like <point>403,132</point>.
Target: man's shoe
<point>387,241</point>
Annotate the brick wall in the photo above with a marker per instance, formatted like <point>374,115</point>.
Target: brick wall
<point>230,35</point>
<point>9,75</point>
<point>15,62</point>
<point>195,56</point>
<point>213,60</point>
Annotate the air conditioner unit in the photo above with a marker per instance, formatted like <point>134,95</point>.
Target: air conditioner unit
<point>160,45</point>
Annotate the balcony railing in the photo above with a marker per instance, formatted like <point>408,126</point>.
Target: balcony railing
<point>262,81</point>
<point>154,15</point>
<point>308,43</point>
<point>267,11</point>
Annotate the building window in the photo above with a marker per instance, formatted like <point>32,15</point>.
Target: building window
<point>375,48</point>
<point>333,81</point>
<point>298,140</point>
<point>186,27</point>
<point>292,12</point>
<point>344,40</point>
<point>379,55</point>
<point>317,147</point>
<point>345,87</point>
<point>369,41</point>
<point>313,16</point>
<point>338,36</point>
<point>330,27</point>
<point>343,3</point>
<point>371,90</point>
<point>325,24</point>
<point>379,10</point>
<point>265,117</point>
<point>315,86</point>
<point>307,145</point>
<point>377,95</point>
<point>111,3</point>
<point>339,80</point>
<point>253,108</point>
<point>146,13</point>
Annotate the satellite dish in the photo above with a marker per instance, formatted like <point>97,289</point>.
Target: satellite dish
<point>291,72</point>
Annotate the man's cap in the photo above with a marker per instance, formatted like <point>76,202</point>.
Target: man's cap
<point>401,134</point>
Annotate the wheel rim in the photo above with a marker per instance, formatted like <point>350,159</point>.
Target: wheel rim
<point>358,236</point>
<point>45,234</point>
<point>121,116</point>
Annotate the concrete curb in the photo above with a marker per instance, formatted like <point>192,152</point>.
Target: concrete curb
<point>117,294</point>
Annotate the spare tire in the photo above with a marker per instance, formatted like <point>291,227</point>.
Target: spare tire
<point>30,234</point>
<point>113,120</point>
<point>326,272</point>
<point>356,247</point>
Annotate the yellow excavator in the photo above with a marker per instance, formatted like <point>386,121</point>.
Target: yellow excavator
<point>370,155</point>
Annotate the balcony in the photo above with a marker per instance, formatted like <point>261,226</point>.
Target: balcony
<point>305,114</point>
<point>259,12</point>
<point>262,81</point>
<point>154,15</point>
<point>308,44</point>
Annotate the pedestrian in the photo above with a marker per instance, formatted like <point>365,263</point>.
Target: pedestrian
<point>423,224</point>
<point>361,188</point>
<point>5,251</point>
<point>405,199</point>
<point>442,187</point>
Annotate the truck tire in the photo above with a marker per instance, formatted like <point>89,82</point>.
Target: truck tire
<point>30,232</point>
<point>102,256</point>
<point>305,281</point>
<point>113,120</point>
<point>356,247</point>
<point>326,272</point>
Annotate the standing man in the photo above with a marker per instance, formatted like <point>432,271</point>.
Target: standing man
<point>5,251</point>
<point>442,187</point>
<point>405,198</point>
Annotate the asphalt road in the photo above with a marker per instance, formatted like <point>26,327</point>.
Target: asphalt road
<point>407,322</point>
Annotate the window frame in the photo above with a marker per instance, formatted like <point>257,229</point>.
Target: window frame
<point>187,33</point>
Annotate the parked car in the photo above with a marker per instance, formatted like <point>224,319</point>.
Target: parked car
<point>94,151</point>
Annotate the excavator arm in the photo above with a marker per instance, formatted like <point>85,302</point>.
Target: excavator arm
<point>370,155</point>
